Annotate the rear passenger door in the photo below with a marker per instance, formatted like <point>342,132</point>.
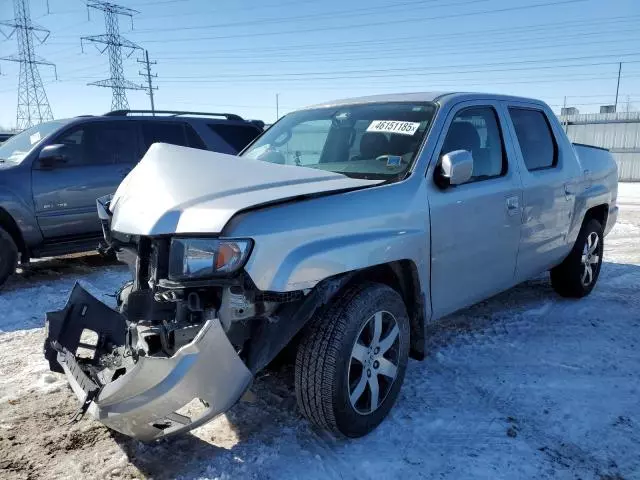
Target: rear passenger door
<point>548,196</point>
<point>475,227</point>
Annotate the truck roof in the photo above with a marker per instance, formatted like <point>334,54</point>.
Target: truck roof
<point>440,97</point>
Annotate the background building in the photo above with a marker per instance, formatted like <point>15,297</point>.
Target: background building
<point>619,132</point>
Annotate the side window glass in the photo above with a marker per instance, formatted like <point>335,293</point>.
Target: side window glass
<point>537,143</point>
<point>159,132</point>
<point>236,136</point>
<point>477,130</point>
<point>110,143</point>
<point>74,145</point>
<point>194,139</point>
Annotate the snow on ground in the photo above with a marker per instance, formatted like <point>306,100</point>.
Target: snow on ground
<point>525,385</point>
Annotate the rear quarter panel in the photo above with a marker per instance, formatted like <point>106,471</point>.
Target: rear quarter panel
<point>599,186</point>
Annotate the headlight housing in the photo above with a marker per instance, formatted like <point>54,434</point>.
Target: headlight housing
<point>196,258</point>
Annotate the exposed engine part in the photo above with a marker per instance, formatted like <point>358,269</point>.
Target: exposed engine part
<point>168,296</point>
<point>235,306</point>
<point>179,335</point>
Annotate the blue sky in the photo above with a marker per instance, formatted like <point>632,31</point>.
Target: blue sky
<point>236,56</point>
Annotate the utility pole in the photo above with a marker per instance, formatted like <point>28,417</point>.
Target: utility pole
<point>277,106</point>
<point>33,105</point>
<point>615,108</point>
<point>566,120</point>
<point>114,43</point>
<point>149,77</point>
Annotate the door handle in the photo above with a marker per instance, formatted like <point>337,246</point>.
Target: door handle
<point>568,191</point>
<point>513,205</point>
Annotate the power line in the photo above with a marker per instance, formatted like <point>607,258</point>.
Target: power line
<point>439,36</point>
<point>391,53</point>
<point>224,76</point>
<point>533,43</point>
<point>426,84</point>
<point>372,24</point>
<point>33,104</point>
<point>224,10</point>
<point>450,69</point>
<point>114,43</point>
<point>521,30</point>
<point>536,64</point>
<point>357,12</point>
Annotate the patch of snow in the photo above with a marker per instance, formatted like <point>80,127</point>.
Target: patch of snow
<point>524,385</point>
<point>28,296</point>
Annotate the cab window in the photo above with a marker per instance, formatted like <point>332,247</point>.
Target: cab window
<point>477,131</point>
<point>537,143</point>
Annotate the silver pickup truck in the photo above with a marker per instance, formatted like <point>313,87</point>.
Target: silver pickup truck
<point>341,232</point>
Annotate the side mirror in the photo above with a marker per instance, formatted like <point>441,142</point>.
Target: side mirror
<point>52,155</point>
<point>456,167</point>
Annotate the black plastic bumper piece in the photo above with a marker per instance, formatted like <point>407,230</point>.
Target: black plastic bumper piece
<point>82,312</point>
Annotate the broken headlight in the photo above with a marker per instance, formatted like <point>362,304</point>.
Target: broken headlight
<point>195,258</point>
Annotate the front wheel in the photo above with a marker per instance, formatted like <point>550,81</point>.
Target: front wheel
<point>351,361</point>
<point>576,276</point>
<point>8,256</point>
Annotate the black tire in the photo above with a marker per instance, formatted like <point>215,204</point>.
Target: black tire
<point>9,255</point>
<point>567,278</point>
<point>324,362</point>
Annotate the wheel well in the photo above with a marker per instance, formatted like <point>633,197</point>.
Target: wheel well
<point>599,213</point>
<point>8,223</point>
<point>402,276</point>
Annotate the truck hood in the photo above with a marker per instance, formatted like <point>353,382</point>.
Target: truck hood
<point>184,190</point>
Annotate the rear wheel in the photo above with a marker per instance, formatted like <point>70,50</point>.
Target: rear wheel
<point>8,256</point>
<point>577,275</point>
<point>351,361</point>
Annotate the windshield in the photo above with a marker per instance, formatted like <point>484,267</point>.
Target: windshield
<point>18,147</point>
<point>371,141</point>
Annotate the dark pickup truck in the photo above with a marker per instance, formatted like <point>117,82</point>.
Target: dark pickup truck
<point>52,174</point>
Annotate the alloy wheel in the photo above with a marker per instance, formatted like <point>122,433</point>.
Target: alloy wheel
<point>590,258</point>
<point>373,365</point>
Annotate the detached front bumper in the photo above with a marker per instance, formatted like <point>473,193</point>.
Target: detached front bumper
<point>143,401</point>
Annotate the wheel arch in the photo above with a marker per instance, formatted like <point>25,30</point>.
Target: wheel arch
<point>599,213</point>
<point>9,224</point>
<point>402,276</point>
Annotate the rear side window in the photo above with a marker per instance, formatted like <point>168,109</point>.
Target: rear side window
<point>237,136</point>
<point>159,132</point>
<point>193,138</point>
<point>537,143</point>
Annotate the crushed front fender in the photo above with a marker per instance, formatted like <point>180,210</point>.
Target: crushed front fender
<point>145,397</point>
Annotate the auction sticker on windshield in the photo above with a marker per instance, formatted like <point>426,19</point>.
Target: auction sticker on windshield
<point>393,126</point>
<point>35,138</point>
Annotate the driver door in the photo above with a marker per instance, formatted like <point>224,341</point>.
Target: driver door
<point>97,156</point>
<point>475,227</point>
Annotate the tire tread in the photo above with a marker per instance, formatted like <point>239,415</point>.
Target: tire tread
<point>319,352</point>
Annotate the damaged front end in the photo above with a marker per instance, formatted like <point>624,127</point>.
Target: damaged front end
<point>175,353</point>
<point>143,395</point>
